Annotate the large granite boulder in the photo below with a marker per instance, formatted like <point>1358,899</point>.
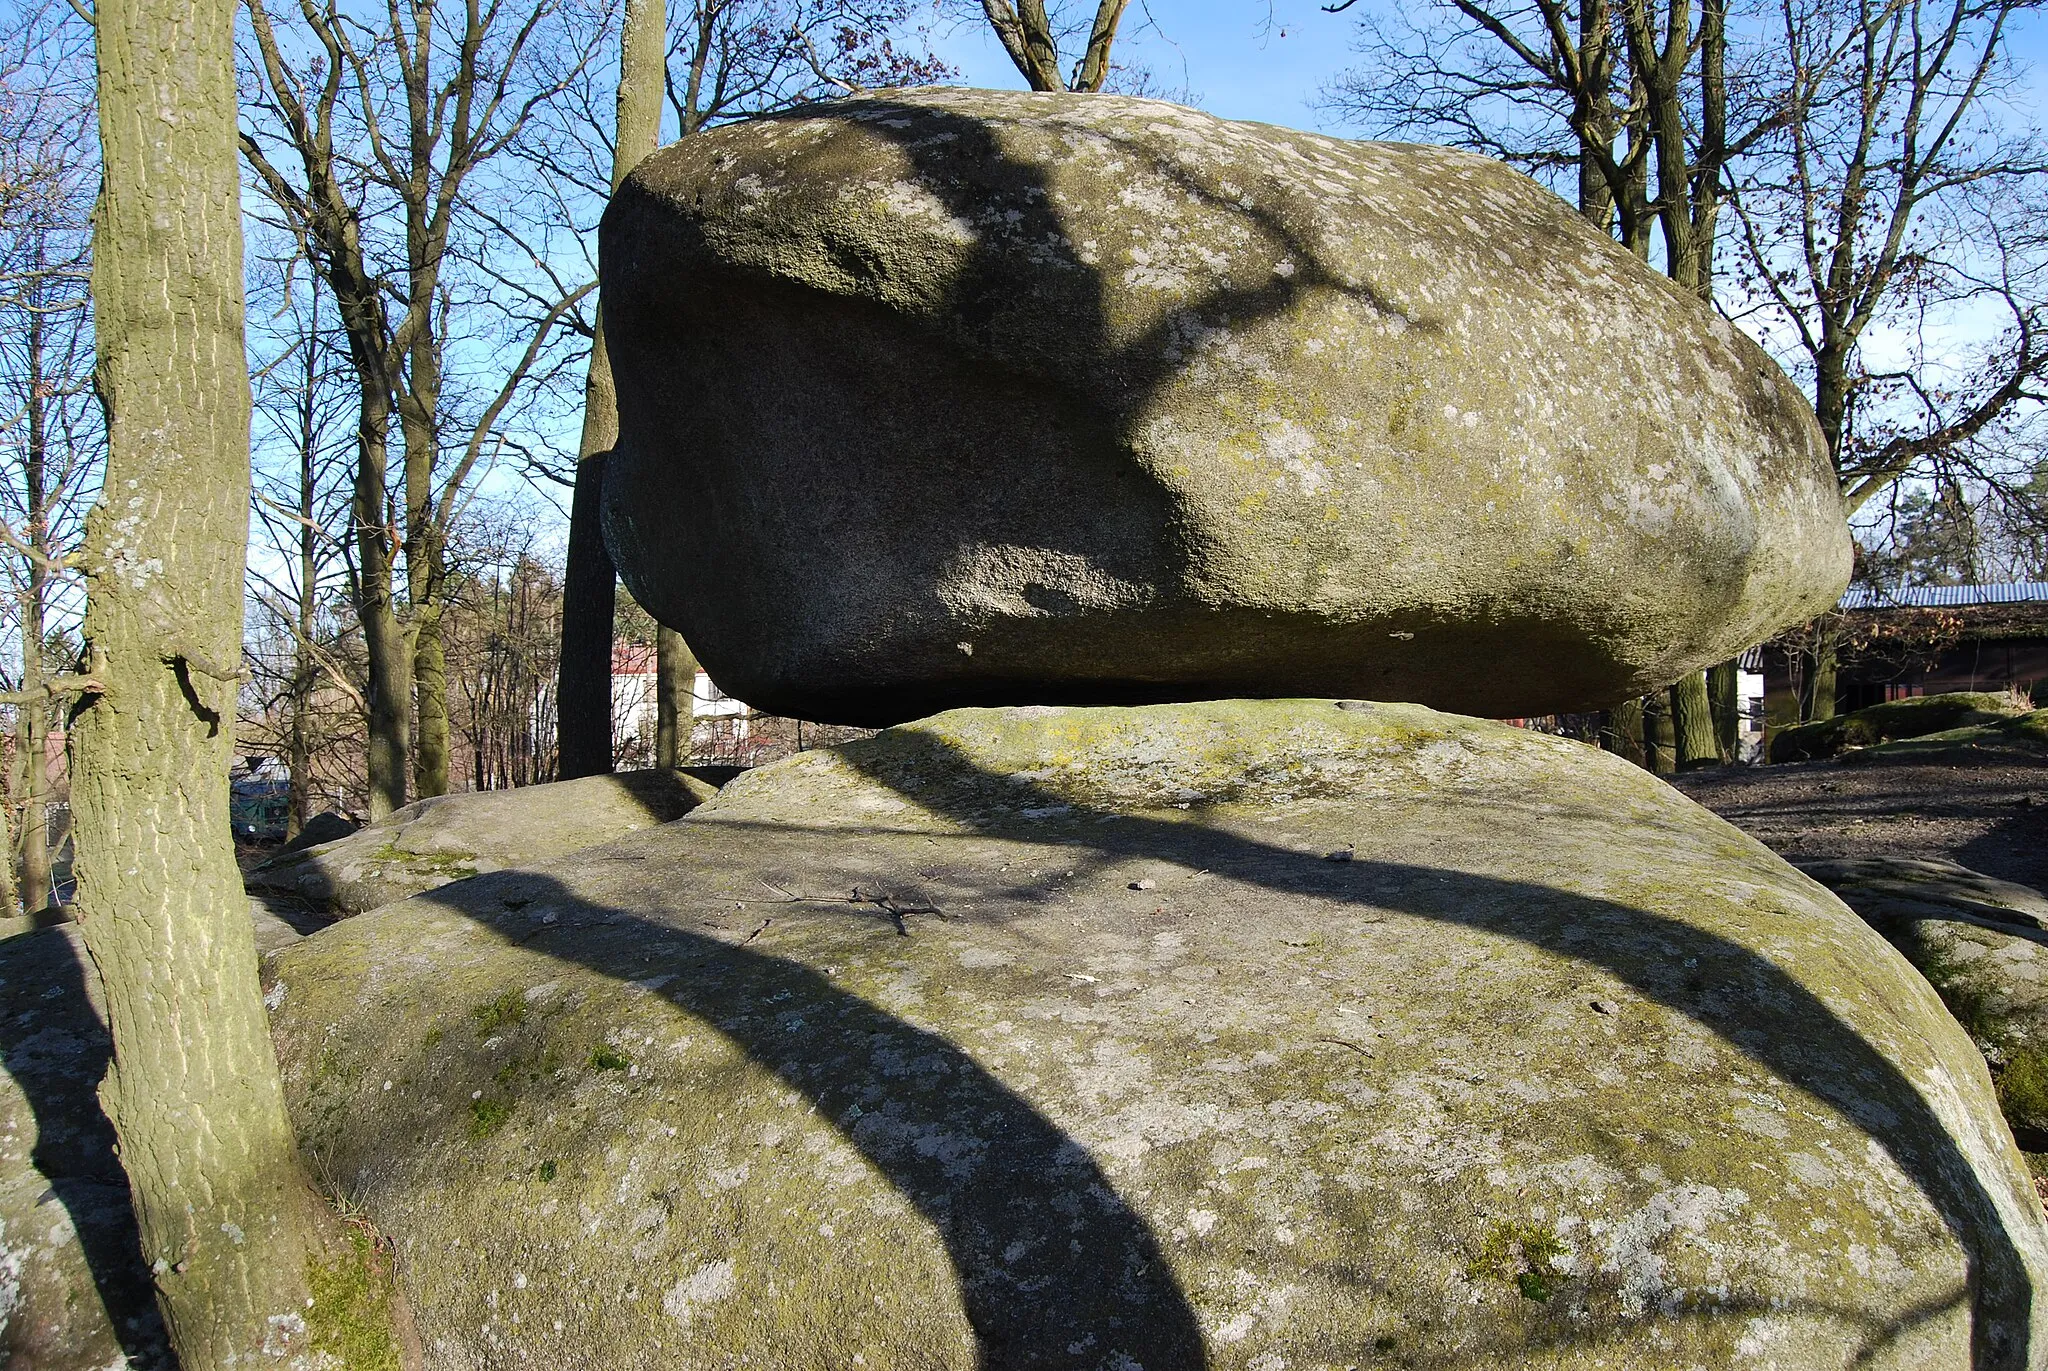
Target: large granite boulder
<point>2021,740</point>
<point>75,1293</point>
<point>1983,944</point>
<point>1914,717</point>
<point>946,397</point>
<point>1237,1036</point>
<point>447,838</point>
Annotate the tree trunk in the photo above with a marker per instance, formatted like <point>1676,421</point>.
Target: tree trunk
<point>10,893</point>
<point>1659,745</point>
<point>425,541</point>
<point>1621,732</point>
<point>430,689</point>
<point>390,658</point>
<point>1692,723</point>
<point>305,671</point>
<point>32,735</point>
<point>1725,697</point>
<point>233,1233</point>
<point>32,718</point>
<point>1817,678</point>
<point>675,692</point>
<point>583,693</point>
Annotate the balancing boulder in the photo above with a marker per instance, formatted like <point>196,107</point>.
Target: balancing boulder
<point>933,398</point>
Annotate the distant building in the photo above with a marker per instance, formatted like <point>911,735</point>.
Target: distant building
<point>1922,640</point>
<point>260,800</point>
<point>635,711</point>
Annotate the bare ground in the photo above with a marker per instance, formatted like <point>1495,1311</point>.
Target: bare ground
<point>1990,817</point>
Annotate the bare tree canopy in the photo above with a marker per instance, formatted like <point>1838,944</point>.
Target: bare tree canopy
<point>1880,182</point>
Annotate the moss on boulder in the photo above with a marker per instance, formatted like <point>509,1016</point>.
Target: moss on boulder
<point>450,837</point>
<point>1909,718</point>
<point>945,397</point>
<point>1983,944</point>
<point>2021,738</point>
<point>1237,1035</point>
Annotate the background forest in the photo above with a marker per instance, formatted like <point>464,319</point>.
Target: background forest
<point>1859,185</point>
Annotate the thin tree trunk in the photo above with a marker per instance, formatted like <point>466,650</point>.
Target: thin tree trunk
<point>675,692</point>
<point>305,671</point>
<point>390,659</point>
<point>1692,722</point>
<point>1724,695</point>
<point>231,1230</point>
<point>1659,745</point>
<point>430,688</point>
<point>1621,732</point>
<point>32,719</point>
<point>425,540</point>
<point>583,692</point>
<point>10,894</point>
<point>1817,679</point>
<point>32,736</point>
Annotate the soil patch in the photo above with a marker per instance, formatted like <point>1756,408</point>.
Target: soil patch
<point>1990,817</point>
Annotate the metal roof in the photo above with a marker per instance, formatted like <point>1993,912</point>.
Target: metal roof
<point>1946,597</point>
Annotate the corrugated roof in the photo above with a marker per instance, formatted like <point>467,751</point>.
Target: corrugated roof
<point>1946,597</point>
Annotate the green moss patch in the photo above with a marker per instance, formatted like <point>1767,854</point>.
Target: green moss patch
<point>487,1115</point>
<point>506,1011</point>
<point>351,1314</point>
<point>1522,1254</point>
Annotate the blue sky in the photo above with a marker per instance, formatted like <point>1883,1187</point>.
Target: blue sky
<point>1225,52</point>
<point>1233,59</point>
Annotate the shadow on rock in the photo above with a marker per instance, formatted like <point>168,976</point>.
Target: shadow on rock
<point>952,1139</point>
<point>1745,999</point>
<point>56,1050</point>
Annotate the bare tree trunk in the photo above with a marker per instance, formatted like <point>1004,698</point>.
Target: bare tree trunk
<point>1725,696</point>
<point>1817,679</point>
<point>425,541</point>
<point>10,894</point>
<point>675,693</point>
<point>305,671</point>
<point>390,661</point>
<point>233,1233</point>
<point>583,694</point>
<point>430,690</point>
<point>1692,722</point>
<point>1659,744</point>
<point>1621,732</point>
<point>32,719</point>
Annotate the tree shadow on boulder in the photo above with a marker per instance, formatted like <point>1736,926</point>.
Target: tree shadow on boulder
<point>56,1050</point>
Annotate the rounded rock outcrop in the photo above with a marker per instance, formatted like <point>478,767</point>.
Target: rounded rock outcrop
<point>931,398</point>
<point>1238,1036</point>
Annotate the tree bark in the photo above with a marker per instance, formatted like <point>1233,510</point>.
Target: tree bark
<point>1817,679</point>
<point>583,692</point>
<point>390,660</point>
<point>299,746</point>
<point>419,406</point>
<point>1692,723</point>
<point>232,1231</point>
<point>1621,732</point>
<point>10,892</point>
<point>675,693</point>
<point>1725,697</point>
<point>32,719</point>
<point>1659,743</point>
<point>430,691</point>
